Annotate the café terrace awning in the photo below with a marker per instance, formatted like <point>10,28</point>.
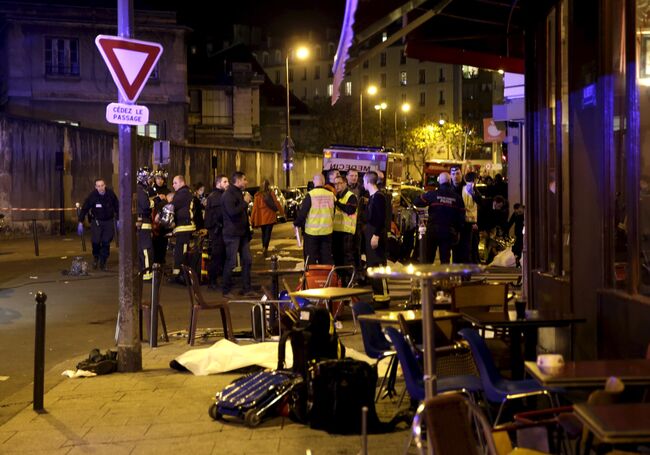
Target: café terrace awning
<point>483,33</point>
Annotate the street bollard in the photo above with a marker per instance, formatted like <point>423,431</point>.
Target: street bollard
<point>39,352</point>
<point>155,296</point>
<point>364,431</point>
<point>275,277</point>
<point>83,238</point>
<point>422,230</point>
<point>35,233</point>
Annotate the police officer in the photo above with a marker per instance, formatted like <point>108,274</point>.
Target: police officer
<point>214,225</point>
<point>446,218</point>
<point>345,225</point>
<point>376,237</point>
<point>144,223</point>
<point>184,218</point>
<point>316,215</point>
<point>102,207</point>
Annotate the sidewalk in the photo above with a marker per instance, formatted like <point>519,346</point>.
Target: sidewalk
<point>160,410</point>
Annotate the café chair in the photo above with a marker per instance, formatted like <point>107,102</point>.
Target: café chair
<point>377,347</point>
<point>197,303</point>
<point>414,375</point>
<point>455,425</point>
<point>144,308</point>
<point>497,389</point>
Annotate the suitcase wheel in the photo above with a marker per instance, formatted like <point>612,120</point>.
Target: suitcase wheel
<point>252,419</point>
<point>214,413</point>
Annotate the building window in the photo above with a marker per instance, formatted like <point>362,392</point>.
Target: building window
<point>317,72</point>
<point>319,52</point>
<point>441,98</point>
<point>277,76</point>
<point>290,74</point>
<point>331,50</point>
<point>384,36</point>
<point>441,75</point>
<point>402,78</point>
<point>469,72</point>
<point>304,74</point>
<point>365,64</point>
<point>382,80</point>
<point>423,98</point>
<point>265,58</point>
<point>62,56</point>
<point>330,89</point>
<point>148,130</point>
<point>402,57</point>
<point>348,88</point>
<point>382,59</point>
<point>195,101</point>
<point>422,77</point>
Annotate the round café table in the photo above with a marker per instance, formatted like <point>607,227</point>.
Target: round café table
<point>427,274</point>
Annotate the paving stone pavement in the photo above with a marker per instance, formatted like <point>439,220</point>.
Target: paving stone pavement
<point>159,411</point>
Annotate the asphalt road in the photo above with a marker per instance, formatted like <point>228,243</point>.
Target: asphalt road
<point>82,311</point>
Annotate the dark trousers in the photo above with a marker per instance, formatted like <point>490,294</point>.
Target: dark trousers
<point>461,251</point>
<point>145,252</point>
<point>217,256</point>
<point>102,232</point>
<point>267,229</point>
<point>473,247</point>
<point>234,245</point>
<point>343,248</point>
<point>181,247</point>
<point>374,258</point>
<point>518,246</point>
<point>160,243</point>
<point>318,249</point>
<point>439,241</point>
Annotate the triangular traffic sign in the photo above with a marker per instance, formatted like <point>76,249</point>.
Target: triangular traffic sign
<point>129,61</point>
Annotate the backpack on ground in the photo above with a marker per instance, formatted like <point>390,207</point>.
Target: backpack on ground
<point>99,363</point>
<point>313,338</point>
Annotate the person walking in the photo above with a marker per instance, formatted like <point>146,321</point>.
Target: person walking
<point>236,234</point>
<point>214,225</point>
<point>184,218</point>
<point>266,208</point>
<point>376,238</point>
<point>316,216</point>
<point>102,207</point>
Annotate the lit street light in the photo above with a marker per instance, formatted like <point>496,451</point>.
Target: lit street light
<point>301,53</point>
<point>380,107</point>
<point>405,108</point>
<point>371,91</point>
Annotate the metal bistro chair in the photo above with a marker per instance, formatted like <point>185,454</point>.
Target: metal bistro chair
<point>197,302</point>
<point>497,389</point>
<point>377,347</point>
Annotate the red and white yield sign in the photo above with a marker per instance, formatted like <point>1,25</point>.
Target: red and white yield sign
<point>129,61</point>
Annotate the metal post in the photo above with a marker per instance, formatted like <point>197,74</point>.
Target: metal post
<point>39,352</point>
<point>381,130</point>
<point>287,171</point>
<point>155,298</point>
<point>35,235</point>
<point>129,349</point>
<point>428,327</point>
<point>364,430</point>
<point>361,118</point>
<point>395,126</point>
<point>83,239</point>
<point>275,287</point>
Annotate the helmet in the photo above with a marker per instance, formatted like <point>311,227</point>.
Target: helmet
<point>160,173</point>
<point>143,175</point>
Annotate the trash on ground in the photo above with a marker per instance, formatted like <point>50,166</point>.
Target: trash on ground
<point>79,267</point>
<point>72,374</point>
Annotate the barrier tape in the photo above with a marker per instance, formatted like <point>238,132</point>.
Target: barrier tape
<point>22,209</point>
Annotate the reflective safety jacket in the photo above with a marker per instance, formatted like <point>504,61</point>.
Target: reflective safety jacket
<point>144,207</point>
<point>345,213</point>
<point>320,219</point>
<point>183,210</point>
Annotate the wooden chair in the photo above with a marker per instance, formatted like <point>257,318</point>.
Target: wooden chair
<point>197,302</point>
<point>479,297</point>
<point>144,307</point>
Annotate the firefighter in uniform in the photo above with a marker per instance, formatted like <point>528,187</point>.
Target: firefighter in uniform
<point>376,238</point>
<point>316,215</point>
<point>345,226</point>
<point>158,192</point>
<point>183,215</point>
<point>143,223</point>
<point>101,206</point>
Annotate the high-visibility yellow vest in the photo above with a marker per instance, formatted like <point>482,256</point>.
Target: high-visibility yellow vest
<point>342,221</point>
<point>320,219</point>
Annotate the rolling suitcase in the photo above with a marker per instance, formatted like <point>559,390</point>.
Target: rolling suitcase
<point>256,396</point>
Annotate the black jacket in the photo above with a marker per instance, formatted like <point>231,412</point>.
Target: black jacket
<point>102,207</point>
<point>183,207</point>
<point>144,205</point>
<point>235,213</point>
<point>214,212</point>
<point>376,215</point>
<point>446,209</point>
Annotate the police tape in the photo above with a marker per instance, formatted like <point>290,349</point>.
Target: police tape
<point>22,209</point>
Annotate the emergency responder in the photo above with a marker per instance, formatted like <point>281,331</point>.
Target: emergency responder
<point>214,225</point>
<point>143,223</point>
<point>183,217</point>
<point>331,180</point>
<point>345,226</point>
<point>446,218</point>
<point>359,191</point>
<point>102,207</point>
<point>460,251</point>
<point>316,215</point>
<point>376,238</point>
<point>158,192</point>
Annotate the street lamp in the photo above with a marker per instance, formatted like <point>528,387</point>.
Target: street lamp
<point>301,53</point>
<point>380,107</point>
<point>405,108</point>
<point>371,91</point>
